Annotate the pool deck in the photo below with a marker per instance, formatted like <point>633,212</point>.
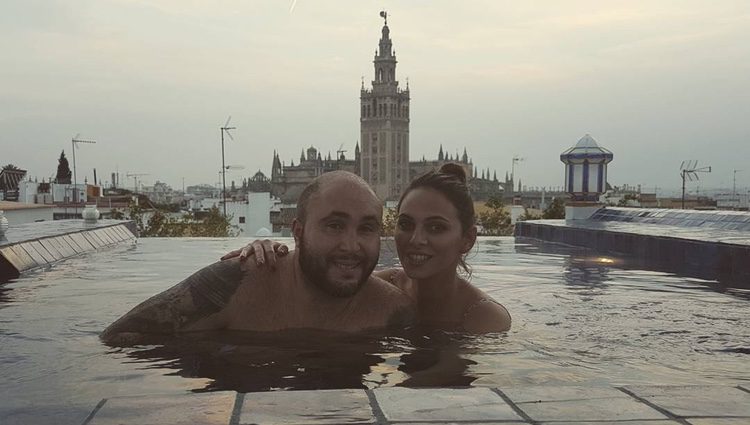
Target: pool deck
<point>628,405</point>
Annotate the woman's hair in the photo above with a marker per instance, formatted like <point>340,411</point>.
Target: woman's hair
<point>450,180</point>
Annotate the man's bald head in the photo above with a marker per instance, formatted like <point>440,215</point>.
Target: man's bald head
<point>323,181</point>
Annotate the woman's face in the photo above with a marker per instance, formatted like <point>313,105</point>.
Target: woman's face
<point>429,238</point>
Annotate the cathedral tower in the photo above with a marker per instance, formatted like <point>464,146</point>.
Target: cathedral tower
<point>384,125</point>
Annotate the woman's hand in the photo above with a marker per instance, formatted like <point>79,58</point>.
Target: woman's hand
<point>264,250</point>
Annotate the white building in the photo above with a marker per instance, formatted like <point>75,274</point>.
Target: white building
<point>28,192</point>
<point>729,201</point>
<point>252,217</point>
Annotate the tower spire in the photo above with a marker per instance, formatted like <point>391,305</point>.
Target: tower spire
<point>385,122</point>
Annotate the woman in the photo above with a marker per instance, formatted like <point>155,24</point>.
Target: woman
<point>435,229</point>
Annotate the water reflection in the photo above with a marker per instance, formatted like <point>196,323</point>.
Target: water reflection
<point>586,272</point>
<point>588,267</point>
<point>242,361</point>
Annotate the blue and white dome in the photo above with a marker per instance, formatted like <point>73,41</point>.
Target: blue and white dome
<point>586,169</point>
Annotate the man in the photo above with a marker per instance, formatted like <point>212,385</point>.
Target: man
<point>326,284</point>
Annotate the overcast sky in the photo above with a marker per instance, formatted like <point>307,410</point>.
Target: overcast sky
<point>656,82</point>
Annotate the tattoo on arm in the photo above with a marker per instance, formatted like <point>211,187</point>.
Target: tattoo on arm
<point>204,293</point>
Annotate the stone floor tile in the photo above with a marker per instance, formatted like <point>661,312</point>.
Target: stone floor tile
<point>697,400</point>
<point>665,422</point>
<point>180,409</point>
<point>470,423</point>
<point>307,407</point>
<point>720,421</point>
<point>44,415</point>
<point>599,409</point>
<point>551,393</point>
<point>443,404</point>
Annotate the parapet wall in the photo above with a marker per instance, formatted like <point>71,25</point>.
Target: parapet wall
<point>710,246</point>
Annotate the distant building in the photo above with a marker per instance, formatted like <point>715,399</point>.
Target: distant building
<point>10,177</point>
<point>384,125</point>
<point>252,216</point>
<point>162,193</point>
<point>257,183</point>
<point>287,182</point>
<point>733,201</point>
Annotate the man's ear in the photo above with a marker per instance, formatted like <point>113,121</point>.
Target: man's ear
<point>297,229</point>
<point>470,238</point>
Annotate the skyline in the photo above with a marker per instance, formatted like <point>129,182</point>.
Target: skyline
<point>152,81</point>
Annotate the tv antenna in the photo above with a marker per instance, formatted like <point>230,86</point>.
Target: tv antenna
<point>734,183</point>
<point>689,171</point>
<point>75,141</point>
<point>340,151</point>
<point>225,129</point>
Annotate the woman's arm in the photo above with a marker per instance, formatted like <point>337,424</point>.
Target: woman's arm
<point>387,275</point>
<point>265,251</point>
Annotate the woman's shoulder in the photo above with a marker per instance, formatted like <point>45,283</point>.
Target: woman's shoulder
<point>484,314</point>
<point>399,279</point>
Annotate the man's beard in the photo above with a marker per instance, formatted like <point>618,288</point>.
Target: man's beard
<point>315,267</point>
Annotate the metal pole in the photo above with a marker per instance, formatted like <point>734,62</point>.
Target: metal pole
<point>75,178</point>
<point>734,183</point>
<point>512,177</point>
<point>223,176</point>
<point>683,188</point>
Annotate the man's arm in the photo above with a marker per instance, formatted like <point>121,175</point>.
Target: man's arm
<point>192,305</point>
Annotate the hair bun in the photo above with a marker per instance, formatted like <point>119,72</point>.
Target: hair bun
<point>454,170</point>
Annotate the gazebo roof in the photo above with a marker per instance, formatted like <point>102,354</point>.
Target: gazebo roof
<point>587,148</point>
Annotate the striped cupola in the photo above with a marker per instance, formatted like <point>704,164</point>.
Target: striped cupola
<point>586,169</point>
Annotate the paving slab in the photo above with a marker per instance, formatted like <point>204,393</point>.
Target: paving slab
<point>720,421</point>
<point>44,415</point>
<point>696,400</point>
<point>193,409</point>
<point>443,404</point>
<point>37,246</point>
<point>51,249</point>
<point>580,404</point>
<point>320,407</point>
<point>24,261</point>
<point>562,393</point>
<point>657,422</point>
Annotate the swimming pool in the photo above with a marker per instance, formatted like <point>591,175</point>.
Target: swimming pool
<point>578,319</point>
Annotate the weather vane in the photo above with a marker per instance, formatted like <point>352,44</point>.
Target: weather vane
<point>384,15</point>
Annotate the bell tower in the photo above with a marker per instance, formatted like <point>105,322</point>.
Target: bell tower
<point>384,124</point>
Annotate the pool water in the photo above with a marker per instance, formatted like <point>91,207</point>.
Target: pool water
<point>578,319</point>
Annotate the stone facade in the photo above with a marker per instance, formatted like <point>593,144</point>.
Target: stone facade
<point>384,125</point>
<point>287,182</point>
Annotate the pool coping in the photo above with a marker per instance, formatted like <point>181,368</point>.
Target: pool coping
<point>39,245</point>
<point>630,404</point>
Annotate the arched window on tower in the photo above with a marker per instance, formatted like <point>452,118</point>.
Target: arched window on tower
<point>393,75</point>
<point>364,111</point>
<point>380,75</point>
